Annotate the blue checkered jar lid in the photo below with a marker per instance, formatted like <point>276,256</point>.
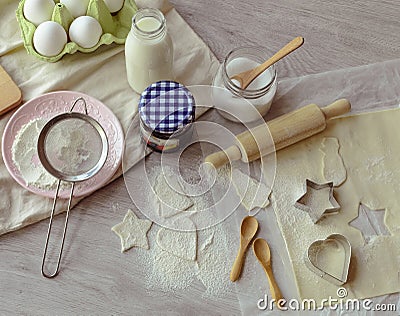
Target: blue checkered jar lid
<point>166,106</point>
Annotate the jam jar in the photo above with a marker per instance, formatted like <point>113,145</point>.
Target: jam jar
<point>167,111</point>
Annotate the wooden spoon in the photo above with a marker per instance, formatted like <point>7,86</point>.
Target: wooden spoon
<point>247,77</point>
<point>248,229</point>
<point>263,254</point>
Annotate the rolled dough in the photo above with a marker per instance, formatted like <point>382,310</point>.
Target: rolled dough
<point>251,192</point>
<point>369,148</point>
<point>170,201</point>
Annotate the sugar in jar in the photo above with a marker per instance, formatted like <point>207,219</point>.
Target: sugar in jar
<point>244,105</point>
<point>148,50</point>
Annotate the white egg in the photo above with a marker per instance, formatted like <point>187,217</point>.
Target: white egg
<point>49,38</point>
<point>114,5</point>
<point>76,7</point>
<point>38,11</point>
<point>85,31</point>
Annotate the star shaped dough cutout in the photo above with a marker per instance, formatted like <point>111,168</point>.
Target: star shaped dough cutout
<point>132,231</point>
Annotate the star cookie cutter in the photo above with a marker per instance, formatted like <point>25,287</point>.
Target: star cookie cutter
<point>317,214</point>
<point>322,255</point>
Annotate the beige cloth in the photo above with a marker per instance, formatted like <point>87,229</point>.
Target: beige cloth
<point>100,74</point>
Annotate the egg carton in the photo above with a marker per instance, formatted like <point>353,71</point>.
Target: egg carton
<point>115,27</point>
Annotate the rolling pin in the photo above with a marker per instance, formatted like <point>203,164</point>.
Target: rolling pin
<point>285,130</point>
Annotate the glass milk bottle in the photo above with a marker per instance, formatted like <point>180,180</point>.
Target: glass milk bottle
<point>148,50</point>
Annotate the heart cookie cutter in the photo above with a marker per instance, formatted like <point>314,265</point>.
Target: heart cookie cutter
<point>315,263</point>
<point>317,214</point>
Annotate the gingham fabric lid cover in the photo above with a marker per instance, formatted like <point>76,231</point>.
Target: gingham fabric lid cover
<point>166,106</point>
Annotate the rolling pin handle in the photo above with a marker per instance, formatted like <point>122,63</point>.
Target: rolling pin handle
<point>337,108</point>
<point>222,157</point>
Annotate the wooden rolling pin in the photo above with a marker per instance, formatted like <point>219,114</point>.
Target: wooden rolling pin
<point>285,131</point>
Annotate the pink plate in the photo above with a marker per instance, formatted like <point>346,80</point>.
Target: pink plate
<point>51,104</point>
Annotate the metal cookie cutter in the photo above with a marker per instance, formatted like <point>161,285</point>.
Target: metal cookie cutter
<point>322,255</point>
<point>316,213</point>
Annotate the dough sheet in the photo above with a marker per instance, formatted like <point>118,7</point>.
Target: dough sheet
<point>371,155</point>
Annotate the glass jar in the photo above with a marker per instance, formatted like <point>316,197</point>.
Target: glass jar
<point>237,104</point>
<point>148,50</point>
<point>167,111</point>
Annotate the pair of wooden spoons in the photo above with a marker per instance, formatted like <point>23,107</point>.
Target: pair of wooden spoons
<point>248,230</point>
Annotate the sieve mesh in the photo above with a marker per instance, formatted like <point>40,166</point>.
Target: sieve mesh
<point>73,146</point>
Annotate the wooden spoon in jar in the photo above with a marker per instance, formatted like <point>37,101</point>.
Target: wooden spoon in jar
<point>248,229</point>
<point>247,77</point>
<point>263,254</point>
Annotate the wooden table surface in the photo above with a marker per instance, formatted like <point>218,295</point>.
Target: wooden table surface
<point>338,34</point>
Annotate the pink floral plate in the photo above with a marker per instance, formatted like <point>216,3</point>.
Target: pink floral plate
<point>49,105</point>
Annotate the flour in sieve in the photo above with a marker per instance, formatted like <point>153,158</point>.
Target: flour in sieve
<point>26,159</point>
<point>25,156</point>
<point>72,146</point>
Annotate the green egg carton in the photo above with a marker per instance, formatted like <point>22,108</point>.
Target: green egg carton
<point>115,27</point>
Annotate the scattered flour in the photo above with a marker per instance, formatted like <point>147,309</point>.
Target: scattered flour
<point>373,162</point>
<point>214,263</point>
<point>182,244</point>
<point>168,272</point>
<point>177,259</point>
<point>25,156</point>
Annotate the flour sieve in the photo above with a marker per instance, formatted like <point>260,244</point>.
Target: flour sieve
<point>72,147</point>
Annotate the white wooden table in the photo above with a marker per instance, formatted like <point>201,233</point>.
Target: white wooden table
<point>95,277</point>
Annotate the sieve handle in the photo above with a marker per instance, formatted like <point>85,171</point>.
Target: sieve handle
<point>49,230</point>
<point>84,103</point>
